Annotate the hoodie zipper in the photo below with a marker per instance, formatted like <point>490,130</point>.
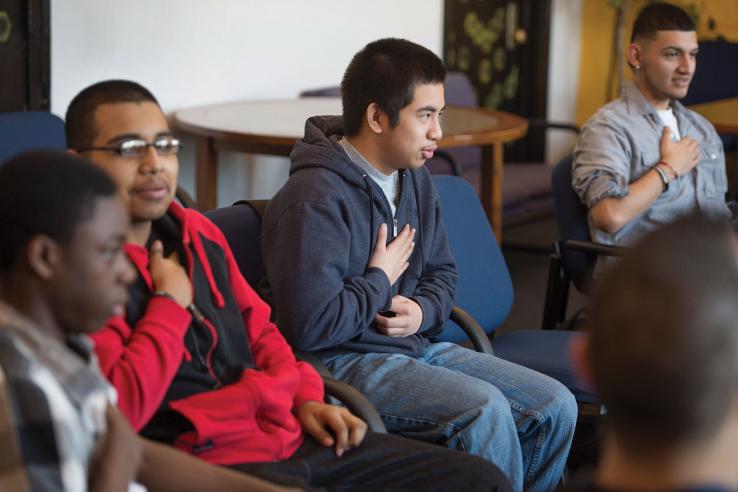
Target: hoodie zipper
<point>206,363</point>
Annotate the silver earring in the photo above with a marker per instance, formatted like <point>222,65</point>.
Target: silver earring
<point>638,67</point>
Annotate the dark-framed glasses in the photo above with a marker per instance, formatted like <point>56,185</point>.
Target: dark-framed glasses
<point>137,147</point>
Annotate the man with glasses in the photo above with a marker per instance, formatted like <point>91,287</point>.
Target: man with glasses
<point>194,357</point>
<point>63,271</point>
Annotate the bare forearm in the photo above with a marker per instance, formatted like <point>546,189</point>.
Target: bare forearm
<point>611,214</point>
<point>109,476</point>
<point>114,469</point>
<point>192,474</point>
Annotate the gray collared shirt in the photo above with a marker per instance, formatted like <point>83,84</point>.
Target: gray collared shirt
<point>621,142</point>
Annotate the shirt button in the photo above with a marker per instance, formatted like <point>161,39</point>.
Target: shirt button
<point>713,156</point>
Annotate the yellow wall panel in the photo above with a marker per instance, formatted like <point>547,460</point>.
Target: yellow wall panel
<point>598,28</point>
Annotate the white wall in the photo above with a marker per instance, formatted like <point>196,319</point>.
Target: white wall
<point>192,52</point>
<point>563,74</point>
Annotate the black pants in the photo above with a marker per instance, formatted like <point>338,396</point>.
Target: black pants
<point>382,462</point>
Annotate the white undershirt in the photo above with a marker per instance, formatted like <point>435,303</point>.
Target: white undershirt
<point>667,116</point>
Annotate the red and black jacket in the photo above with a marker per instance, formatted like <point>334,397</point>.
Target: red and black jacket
<point>221,383</point>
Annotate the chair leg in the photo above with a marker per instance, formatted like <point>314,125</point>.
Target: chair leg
<point>557,291</point>
<point>584,453</point>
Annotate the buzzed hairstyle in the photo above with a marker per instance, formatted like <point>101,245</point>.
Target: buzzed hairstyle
<point>80,117</point>
<point>660,17</point>
<point>46,193</point>
<point>664,336</point>
<point>386,72</point>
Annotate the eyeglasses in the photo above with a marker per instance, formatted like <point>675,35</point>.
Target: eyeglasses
<point>137,147</point>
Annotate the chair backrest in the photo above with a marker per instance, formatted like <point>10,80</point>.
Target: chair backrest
<point>241,225</point>
<point>484,288</point>
<point>39,130</point>
<point>332,91</point>
<point>30,130</point>
<point>716,76</point>
<point>459,91</point>
<point>571,217</point>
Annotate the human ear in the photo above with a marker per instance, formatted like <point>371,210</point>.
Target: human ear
<point>374,118</point>
<point>634,56</point>
<point>43,256</point>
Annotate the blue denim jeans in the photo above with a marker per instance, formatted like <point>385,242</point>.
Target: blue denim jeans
<point>519,419</point>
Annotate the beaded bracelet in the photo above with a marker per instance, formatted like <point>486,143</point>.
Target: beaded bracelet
<point>663,176</point>
<point>668,166</point>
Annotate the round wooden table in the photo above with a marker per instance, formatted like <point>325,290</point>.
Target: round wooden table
<point>272,127</point>
<point>723,114</point>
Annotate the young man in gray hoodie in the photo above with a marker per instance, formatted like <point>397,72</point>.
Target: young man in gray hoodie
<point>361,274</point>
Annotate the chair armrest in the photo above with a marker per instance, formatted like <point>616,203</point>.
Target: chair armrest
<point>596,248</point>
<point>553,125</point>
<point>345,393</point>
<point>311,359</point>
<point>356,403</point>
<point>476,334</point>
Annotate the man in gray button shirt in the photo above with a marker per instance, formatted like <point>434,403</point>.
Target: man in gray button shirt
<point>644,159</point>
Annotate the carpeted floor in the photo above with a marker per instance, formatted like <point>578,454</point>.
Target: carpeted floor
<point>529,272</point>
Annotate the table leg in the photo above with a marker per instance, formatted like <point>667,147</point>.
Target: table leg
<point>206,174</point>
<point>492,161</point>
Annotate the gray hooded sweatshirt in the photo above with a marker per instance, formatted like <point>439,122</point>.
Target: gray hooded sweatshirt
<point>318,233</point>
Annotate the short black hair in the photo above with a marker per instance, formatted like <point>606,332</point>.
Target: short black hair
<point>660,17</point>
<point>664,336</point>
<point>386,72</point>
<point>46,193</point>
<point>79,120</point>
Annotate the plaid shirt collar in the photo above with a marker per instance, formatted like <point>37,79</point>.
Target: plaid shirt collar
<point>76,374</point>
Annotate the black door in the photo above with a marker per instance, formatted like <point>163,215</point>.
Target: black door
<point>24,55</point>
<point>502,45</point>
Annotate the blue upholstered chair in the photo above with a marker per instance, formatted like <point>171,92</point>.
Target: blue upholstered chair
<point>38,130</point>
<point>30,130</point>
<point>574,255</point>
<point>485,292</point>
<point>241,225</point>
<point>716,78</point>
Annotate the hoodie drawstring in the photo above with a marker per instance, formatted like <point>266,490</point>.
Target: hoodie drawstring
<point>371,214</point>
<point>419,230</point>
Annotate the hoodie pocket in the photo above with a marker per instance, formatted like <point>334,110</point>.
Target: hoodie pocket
<point>228,410</point>
<point>259,403</point>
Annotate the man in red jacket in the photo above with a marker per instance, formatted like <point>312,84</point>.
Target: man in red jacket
<point>194,357</point>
